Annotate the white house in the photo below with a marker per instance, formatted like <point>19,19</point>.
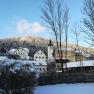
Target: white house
<point>39,56</point>
<point>22,52</point>
<point>40,61</point>
<point>41,66</point>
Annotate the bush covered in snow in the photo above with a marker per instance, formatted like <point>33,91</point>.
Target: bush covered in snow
<point>17,77</point>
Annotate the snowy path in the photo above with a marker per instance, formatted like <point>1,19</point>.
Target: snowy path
<point>87,88</point>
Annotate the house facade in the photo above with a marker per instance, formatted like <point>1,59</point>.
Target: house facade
<point>41,66</point>
<point>71,54</point>
<point>22,52</point>
<point>39,56</point>
<point>40,62</point>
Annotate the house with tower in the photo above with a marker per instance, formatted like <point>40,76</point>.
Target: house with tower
<point>41,58</point>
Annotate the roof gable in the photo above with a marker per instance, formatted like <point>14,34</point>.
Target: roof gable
<point>24,49</point>
<point>39,52</point>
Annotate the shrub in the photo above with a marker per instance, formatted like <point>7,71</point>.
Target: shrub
<point>17,77</point>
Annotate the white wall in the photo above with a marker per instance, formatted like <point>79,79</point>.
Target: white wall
<point>40,66</point>
<point>39,56</point>
<point>22,53</point>
<point>41,69</point>
<point>50,53</point>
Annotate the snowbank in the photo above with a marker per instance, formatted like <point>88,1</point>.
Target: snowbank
<point>79,64</point>
<point>87,88</point>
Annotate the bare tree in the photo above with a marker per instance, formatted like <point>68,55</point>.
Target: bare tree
<point>66,26</point>
<point>78,39</point>
<point>89,20</point>
<point>77,34</point>
<point>53,13</point>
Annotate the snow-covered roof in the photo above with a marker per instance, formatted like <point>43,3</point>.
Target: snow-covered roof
<point>68,49</point>
<point>79,64</point>
<point>39,52</point>
<point>26,49</point>
<point>12,50</point>
<point>42,63</point>
<point>86,54</point>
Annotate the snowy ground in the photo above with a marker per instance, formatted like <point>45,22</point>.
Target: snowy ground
<point>87,88</point>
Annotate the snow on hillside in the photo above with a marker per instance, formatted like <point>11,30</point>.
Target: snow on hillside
<point>85,88</point>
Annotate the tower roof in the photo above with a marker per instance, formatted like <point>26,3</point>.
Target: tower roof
<point>50,43</point>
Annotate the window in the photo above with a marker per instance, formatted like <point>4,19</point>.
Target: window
<point>38,53</point>
<point>41,53</point>
<point>43,68</point>
<point>42,57</point>
<point>40,68</point>
<point>36,57</point>
<point>39,57</point>
<point>58,65</point>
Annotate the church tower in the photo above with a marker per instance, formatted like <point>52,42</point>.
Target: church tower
<point>50,52</point>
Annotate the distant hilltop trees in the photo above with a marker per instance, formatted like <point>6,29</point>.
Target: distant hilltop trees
<point>33,44</point>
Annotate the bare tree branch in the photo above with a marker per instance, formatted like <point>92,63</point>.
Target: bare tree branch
<point>88,21</point>
<point>54,13</point>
